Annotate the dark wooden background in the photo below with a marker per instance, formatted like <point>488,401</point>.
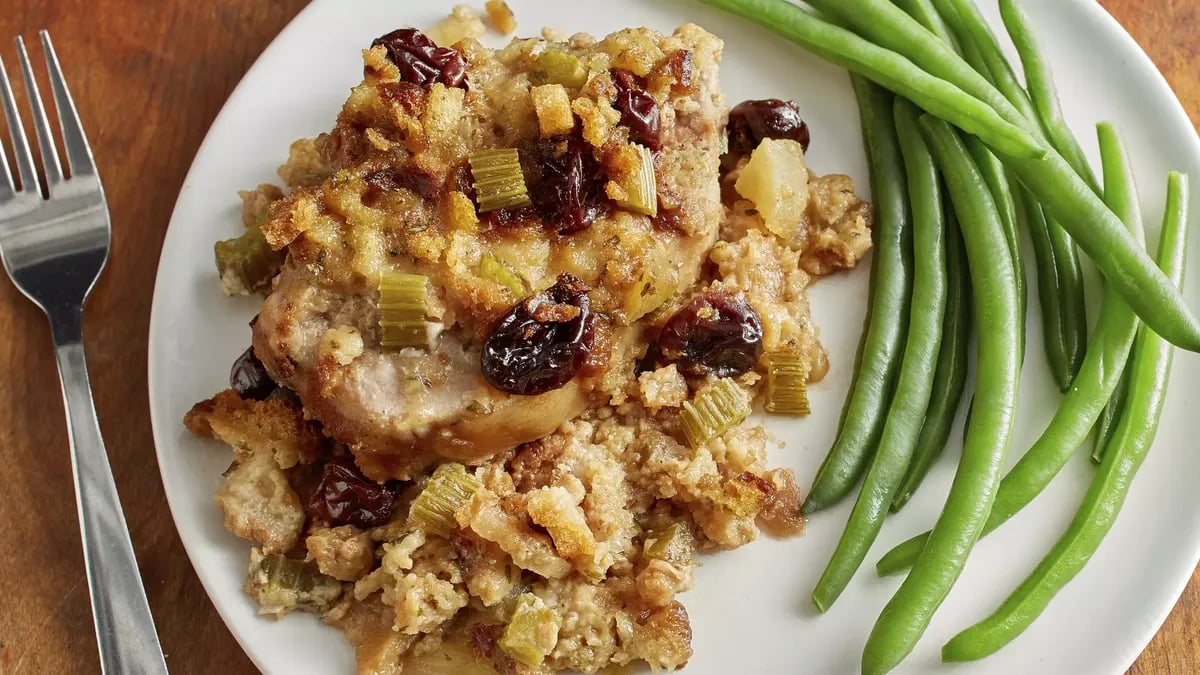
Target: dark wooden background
<point>148,77</point>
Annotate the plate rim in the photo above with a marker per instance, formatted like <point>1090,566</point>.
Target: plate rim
<point>157,423</point>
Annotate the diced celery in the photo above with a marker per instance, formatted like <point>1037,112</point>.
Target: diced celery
<point>499,182</point>
<point>280,584</point>
<point>449,488</point>
<point>714,411</point>
<point>532,632</point>
<point>246,263</point>
<point>289,573</point>
<point>642,188</point>
<point>402,307</point>
<point>787,384</point>
<point>673,543</point>
<point>559,67</point>
<point>493,270</point>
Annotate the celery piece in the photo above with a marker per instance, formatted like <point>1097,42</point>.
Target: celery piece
<point>499,182</point>
<point>673,544</point>
<point>714,411</point>
<point>532,632</point>
<point>402,307</point>
<point>787,384</point>
<point>449,488</point>
<point>493,270</point>
<point>246,263</point>
<point>280,584</point>
<point>559,67</point>
<point>642,192</point>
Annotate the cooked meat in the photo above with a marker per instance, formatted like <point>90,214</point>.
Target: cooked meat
<point>396,199</point>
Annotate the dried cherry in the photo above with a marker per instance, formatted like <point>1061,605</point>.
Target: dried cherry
<point>639,112</point>
<point>542,342</point>
<point>345,496</point>
<point>249,377</point>
<point>715,333</point>
<point>569,196</point>
<point>752,121</point>
<point>422,62</point>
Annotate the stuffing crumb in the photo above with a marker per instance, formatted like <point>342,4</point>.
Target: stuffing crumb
<point>555,509</point>
<point>553,107</point>
<point>664,638</point>
<point>275,425</point>
<point>256,202</point>
<point>343,344</point>
<point>501,16</point>
<point>663,388</point>
<point>462,23</point>
<point>260,505</point>
<point>344,553</point>
<point>530,550</point>
<point>305,166</point>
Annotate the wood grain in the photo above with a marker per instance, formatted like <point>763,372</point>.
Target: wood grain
<point>148,78</point>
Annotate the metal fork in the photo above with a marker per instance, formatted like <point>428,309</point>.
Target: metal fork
<point>54,249</point>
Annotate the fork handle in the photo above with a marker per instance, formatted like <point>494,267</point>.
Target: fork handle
<point>124,627</point>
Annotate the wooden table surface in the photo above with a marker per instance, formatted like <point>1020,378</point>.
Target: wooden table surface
<point>148,78</point>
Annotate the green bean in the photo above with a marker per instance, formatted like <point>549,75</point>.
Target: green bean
<point>993,279</point>
<point>971,53</point>
<point>1106,494</point>
<point>1102,367</point>
<point>1126,267</point>
<point>1061,285</point>
<point>1064,313</point>
<point>927,15</point>
<point>1072,303</point>
<point>914,384</point>
<point>997,182</point>
<point>1054,337</point>
<point>969,26</point>
<point>1042,92</point>
<point>889,69</point>
<point>888,307</point>
<point>892,28</point>
<point>1107,423</point>
<point>1047,175</point>
<point>950,379</point>
<point>1120,192</point>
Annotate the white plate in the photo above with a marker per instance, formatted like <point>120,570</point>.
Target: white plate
<point>750,608</point>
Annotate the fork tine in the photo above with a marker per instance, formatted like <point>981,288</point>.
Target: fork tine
<point>50,164</point>
<point>23,157</point>
<point>79,154</point>
<point>7,189</point>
